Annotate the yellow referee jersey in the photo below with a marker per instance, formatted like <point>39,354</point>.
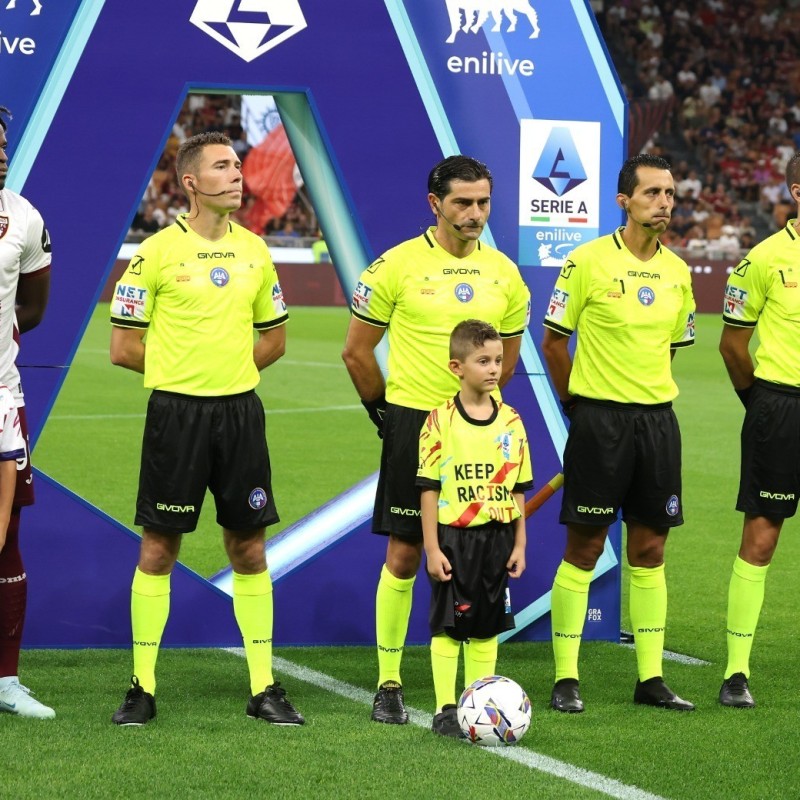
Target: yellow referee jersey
<point>199,301</point>
<point>476,465</point>
<point>421,292</point>
<point>628,314</point>
<point>763,290</point>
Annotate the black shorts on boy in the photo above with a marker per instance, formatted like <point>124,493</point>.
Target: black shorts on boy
<point>475,602</point>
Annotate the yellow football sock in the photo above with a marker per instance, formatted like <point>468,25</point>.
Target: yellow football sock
<point>149,613</point>
<point>745,598</point>
<point>648,603</point>
<point>444,661</point>
<point>480,659</point>
<point>252,607</point>
<point>392,610</point>
<point>569,602</point>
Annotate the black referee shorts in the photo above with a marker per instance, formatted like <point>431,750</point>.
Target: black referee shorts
<point>194,443</point>
<point>397,508</point>
<point>475,602</point>
<point>769,482</point>
<point>622,456</point>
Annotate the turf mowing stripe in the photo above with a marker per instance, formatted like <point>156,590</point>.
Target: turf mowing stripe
<point>269,411</point>
<point>679,657</point>
<point>552,766</point>
<point>289,362</point>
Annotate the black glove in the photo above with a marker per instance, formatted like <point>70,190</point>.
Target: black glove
<point>744,394</point>
<point>568,406</point>
<point>377,411</point>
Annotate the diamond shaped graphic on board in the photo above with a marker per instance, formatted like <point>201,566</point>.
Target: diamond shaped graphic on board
<point>249,27</point>
<point>560,168</point>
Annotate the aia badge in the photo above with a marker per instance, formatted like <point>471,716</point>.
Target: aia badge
<point>673,506</point>
<point>258,498</point>
<point>3,226</point>
<point>464,292</point>
<point>646,296</point>
<point>219,276</point>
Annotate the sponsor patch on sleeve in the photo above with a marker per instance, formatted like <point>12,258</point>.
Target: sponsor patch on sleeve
<point>689,335</point>
<point>128,302</point>
<point>278,303</point>
<point>361,297</point>
<point>735,300</point>
<point>557,306</point>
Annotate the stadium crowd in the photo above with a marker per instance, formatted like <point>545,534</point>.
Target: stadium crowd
<point>726,75</point>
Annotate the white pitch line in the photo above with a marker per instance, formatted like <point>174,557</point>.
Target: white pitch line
<point>552,766</point>
<point>270,412</point>
<point>670,656</point>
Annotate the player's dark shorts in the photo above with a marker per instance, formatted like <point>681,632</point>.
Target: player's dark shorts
<point>194,443</point>
<point>769,482</point>
<point>23,494</point>
<point>397,496</point>
<point>621,455</point>
<point>475,602</point>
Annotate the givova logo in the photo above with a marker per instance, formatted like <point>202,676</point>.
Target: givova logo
<point>249,27</point>
<point>469,16</point>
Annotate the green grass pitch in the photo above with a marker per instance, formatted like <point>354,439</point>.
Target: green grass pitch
<point>201,743</point>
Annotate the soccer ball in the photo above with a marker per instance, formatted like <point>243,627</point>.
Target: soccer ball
<point>494,711</point>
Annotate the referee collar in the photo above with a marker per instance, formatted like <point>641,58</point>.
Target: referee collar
<point>619,242</point>
<point>434,245</point>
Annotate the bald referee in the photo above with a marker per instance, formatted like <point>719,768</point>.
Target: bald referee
<point>196,290</point>
<point>763,293</point>
<point>630,301</point>
<point>419,291</point>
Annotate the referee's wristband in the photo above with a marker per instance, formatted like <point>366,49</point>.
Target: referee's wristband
<point>377,411</point>
<point>744,394</point>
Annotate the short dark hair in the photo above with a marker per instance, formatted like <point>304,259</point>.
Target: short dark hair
<point>189,151</point>
<point>793,170</point>
<point>4,112</point>
<point>456,168</point>
<point>628,179</point>
<point>469,335</point>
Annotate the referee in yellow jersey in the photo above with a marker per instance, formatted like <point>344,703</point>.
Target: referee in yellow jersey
<point>183,313</point>
<point>763,293</point>
<point>630,301</point>
<point>419,291</point>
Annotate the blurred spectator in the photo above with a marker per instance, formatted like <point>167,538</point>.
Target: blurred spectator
<point>320,251</point>
<point>145,221</point>
<point>728,242</point>
<point>735,71</point>
<point>690,186</point>
<point>287,231</point>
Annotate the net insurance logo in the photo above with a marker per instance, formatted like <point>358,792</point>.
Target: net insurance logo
<point>559,189</point>
<point>249,27</point>
<point>469,16</point>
